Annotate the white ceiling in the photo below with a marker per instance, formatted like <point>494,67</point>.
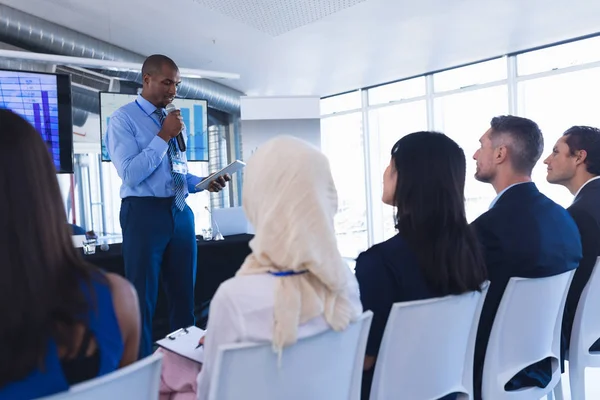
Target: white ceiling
<point>322,47</point>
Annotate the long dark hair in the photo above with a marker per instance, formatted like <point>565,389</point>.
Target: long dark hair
<point>41,273</point>
<point>431,215</point>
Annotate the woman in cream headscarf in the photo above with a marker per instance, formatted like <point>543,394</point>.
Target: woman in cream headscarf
<point>294,284</point>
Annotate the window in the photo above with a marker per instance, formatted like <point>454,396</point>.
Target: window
<point>485,72</point>
<point>342,142</point>
<point>463,102</point>
<point>556,103</point>
<point>388,125</point>
<point>402,90</point>
<point>112,199</point>
<point>465,117</point>
<point>199,201</point>
<point>566,55</point>
<point>341,103</point>
<point>87,207</point>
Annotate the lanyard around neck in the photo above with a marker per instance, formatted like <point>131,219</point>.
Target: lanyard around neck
<point>149,115</point>
<point>288,273</point>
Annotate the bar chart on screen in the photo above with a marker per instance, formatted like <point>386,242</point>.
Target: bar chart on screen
<point>35,98</point>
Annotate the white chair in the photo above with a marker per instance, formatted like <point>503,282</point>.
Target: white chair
<point>585,332</point>
<point>427,348</point>
<point>326,366</point>
<point>138,381</point>
<point>527,329</point>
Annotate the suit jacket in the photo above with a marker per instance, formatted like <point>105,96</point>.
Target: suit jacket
<point>525,234</point>
<point>585,210</point>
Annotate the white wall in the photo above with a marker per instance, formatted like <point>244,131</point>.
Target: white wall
<point>86,138</point>
<point>255,133</point>
<point>263,118</point>
<point>280,107</point>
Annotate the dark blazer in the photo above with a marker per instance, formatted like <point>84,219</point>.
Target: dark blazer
<point>525,234</point>
<point>585,210</point>
<point>388,273</point>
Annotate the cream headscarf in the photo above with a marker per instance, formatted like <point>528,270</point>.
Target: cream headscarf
<point>290,199</point>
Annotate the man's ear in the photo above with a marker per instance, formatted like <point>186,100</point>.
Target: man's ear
<point>580,157</point>
<point>500,154</point>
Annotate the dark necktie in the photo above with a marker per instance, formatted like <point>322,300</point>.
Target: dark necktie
<point>178,179</point>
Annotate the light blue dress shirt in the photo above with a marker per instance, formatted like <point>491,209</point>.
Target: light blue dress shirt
<point>139,155</point>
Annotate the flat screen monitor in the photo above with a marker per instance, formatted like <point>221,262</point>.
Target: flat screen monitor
<point>194,113</point>
<point>44,100</point>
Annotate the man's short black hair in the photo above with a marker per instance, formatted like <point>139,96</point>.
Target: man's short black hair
<point>526,144</point>
<point>585,138</point>
<point>155,62</point>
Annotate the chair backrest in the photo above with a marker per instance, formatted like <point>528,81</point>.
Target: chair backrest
<point>526,329</point>
<point>427,348</point>
<point>138,381</point>
<point>586,326</point>
<point>324,366</point>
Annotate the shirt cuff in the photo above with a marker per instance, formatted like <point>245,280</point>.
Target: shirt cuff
<point>159,146</point>
<point>193,180</point>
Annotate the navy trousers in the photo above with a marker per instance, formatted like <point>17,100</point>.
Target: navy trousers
<point>158,237</point>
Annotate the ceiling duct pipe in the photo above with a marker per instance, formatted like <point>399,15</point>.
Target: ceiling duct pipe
<point>79,116</point>
<point>35,34</point>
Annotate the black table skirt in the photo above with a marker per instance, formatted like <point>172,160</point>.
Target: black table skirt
<point>217,262</point>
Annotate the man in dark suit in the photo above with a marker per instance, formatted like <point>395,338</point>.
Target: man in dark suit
<point>575,164</point>
<point>524,234</point>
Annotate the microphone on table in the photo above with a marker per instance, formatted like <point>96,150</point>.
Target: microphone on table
<point>180,142</point>
<point>218,236</point>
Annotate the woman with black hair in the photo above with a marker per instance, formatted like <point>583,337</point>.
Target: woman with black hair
<point>434,253</point>
<point>62,321</point>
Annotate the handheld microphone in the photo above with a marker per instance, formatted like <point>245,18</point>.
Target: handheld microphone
<point>180,142</point>
<point>218,236</point>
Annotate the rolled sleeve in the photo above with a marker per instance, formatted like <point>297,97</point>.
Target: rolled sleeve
<point>133,165</point>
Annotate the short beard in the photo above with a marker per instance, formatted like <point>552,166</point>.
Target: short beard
<point>483,178</point>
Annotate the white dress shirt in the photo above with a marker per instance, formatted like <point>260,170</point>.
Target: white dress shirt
<point>242,311</point>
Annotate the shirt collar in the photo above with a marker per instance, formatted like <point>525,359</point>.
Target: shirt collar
<point>148,107</point>
<point>502,192</point>
<point>582,186</point>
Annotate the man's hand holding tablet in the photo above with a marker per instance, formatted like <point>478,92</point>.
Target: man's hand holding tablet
<point>217,184</point>
<point>217,181</point>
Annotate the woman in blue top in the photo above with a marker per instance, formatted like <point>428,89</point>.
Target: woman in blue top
<point>435,253</point>
<point>61,320</point>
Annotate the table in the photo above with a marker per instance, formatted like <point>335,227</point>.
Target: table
<point>217,262</point>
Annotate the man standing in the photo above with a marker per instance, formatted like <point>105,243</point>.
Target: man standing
<point>158,226</point>
<point>523,234</point>
<point>575,164</point>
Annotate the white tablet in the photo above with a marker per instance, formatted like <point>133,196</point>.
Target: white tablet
<point>230,169</point>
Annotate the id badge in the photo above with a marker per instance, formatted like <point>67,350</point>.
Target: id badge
<point>180,163</point>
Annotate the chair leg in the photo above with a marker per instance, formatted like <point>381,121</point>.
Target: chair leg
<point>558,390</point>
<point>550,396</point>
<point>577,379</point>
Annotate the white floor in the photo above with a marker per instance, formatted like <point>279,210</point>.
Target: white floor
<point>592,384</point>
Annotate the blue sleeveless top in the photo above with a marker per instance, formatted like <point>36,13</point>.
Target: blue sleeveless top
<point>102,322</point>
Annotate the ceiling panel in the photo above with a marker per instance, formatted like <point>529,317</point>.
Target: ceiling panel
<point>276,17</point>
